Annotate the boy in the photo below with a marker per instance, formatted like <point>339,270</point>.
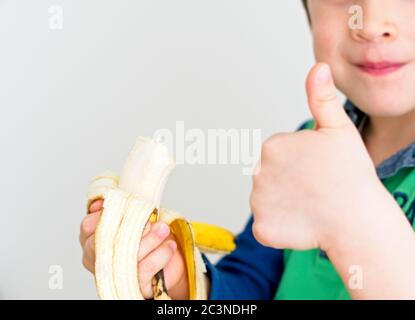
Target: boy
<point>329,203</point>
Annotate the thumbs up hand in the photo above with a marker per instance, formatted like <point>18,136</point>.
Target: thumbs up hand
<point>314,187</point>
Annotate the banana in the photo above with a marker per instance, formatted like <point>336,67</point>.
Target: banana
<point>131,201</point>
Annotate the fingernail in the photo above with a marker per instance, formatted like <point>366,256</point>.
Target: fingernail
<point>323,74</point>
<point>162,230</point>
<point>172,245</point>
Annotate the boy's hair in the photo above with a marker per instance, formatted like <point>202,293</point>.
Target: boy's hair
<point>306,9</point>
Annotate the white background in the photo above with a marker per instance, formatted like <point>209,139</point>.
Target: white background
<point>74,100</point>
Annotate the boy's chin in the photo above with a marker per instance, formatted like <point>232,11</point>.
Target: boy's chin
<point>384,107</point>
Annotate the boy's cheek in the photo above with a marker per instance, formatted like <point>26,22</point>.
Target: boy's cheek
<point>327,48</point>
<point>331,41</point>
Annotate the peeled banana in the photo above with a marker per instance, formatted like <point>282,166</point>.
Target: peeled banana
<point>131,201</point>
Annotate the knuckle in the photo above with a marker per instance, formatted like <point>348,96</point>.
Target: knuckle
<point>260,232</point>
<point>90,245</point>
<point>152,239</point>
<point>268,147</point>
<point>325,97</point>
<point>257,231</point>
<point>86,225</point>
<point>148,267</point>
<point>86,263</point>
<point>271,145</point>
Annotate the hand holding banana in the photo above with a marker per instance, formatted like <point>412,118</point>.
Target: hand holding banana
<point>158,251</point>
<point>125,252</point>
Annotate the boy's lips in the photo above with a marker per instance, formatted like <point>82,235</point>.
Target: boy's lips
<point>380,68</point>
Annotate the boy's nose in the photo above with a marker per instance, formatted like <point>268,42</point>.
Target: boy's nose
<point>378,22</point>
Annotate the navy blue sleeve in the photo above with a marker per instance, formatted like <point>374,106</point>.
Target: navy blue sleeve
<point>251,271</point>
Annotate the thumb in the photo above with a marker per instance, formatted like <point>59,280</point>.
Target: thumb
<point>322,98</point>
